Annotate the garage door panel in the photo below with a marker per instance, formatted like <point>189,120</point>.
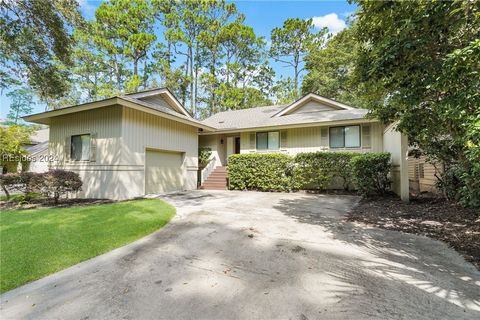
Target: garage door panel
<point>164,171</point>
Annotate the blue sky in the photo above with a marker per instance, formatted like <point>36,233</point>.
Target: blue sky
<point>263,16</point>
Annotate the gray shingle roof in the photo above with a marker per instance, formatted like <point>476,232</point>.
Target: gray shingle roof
<point>38,148</point>
<point>130,98</point>
<point>162,109</point>
<point>40,136</point>
<point>264,117</point>
<point>158,107</point>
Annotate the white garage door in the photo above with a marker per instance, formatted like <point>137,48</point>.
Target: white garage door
<point>163,171</point>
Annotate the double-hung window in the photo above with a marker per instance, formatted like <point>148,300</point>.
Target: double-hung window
<point>80,147</point>
<point>345,137</point>
<point>268,140</point>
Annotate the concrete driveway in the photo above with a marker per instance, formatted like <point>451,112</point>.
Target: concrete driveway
<point>248,255</point>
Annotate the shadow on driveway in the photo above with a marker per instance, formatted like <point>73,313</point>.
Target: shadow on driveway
<point>249,255</point>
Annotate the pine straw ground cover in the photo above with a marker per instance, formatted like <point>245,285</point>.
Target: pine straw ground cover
<point>435,218</point>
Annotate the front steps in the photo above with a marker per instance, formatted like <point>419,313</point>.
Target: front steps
<point>217,180</point>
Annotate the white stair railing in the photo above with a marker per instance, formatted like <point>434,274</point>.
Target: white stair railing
<point>207,170</point>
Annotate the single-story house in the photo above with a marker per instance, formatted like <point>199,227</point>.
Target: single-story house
<point>147,142</point>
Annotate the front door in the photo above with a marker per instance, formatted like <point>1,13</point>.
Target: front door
<point>237,145</point>
<point>233,146</point>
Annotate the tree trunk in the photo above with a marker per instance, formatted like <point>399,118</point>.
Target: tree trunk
<point>213,101</point>
<point>296,80</point>
<point>145,75</point>
<point>93,93</point>
<point>135,66</point>
<point>196,90</point>
<point>296,65</point>
<point>118,75</point>
<point>169,54</point>
<point>7,194</point>
<point>192,102</point>
<point>228,69</point>
<point>184,88</point>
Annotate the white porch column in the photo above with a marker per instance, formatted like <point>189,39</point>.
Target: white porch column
<point>397,144</point>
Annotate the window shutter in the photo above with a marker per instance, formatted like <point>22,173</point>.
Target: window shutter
<point>252,141</point>
<point>324,137</point>
<point>421,171</point>
<point>93,147</point>
<point>283,139</point>
<point>366,137</point>
<point>68,148</point>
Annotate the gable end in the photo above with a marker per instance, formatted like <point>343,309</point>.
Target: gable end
<point>312,103</point>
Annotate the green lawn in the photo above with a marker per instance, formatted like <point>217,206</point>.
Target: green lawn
<point>37,242</point>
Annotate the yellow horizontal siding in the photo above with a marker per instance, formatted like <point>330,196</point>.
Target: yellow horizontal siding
<point>429,181</point>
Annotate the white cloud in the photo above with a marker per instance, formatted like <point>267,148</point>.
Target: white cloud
<point>330,21</point>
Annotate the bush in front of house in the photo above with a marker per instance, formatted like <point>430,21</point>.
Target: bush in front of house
<point>262,172</point>
<point>29,181</point>
<point>317,170</point>
<point>8,182</point>
<point>370,173</point>
<point>59,182</point>
<point>461,184</point>
<point>53,184</point>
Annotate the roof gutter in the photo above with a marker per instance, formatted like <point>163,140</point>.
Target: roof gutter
<point>44,117</point>
<point>291,126</point>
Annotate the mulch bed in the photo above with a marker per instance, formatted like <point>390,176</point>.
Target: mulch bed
<point>43,203</point>
<point>432,217</point>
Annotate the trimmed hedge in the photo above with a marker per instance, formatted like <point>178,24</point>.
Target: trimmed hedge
<point>366,172</point>
<point>370,173</point>
<point>263,172</point>
<point>317,170</point>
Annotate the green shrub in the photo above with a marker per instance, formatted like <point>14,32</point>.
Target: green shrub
<point>461,183</point>
<point>25,182</point>
<point>370,173</point>
<point>204,155</point>
<point>263,172</point>
<point>22,198</point>
<point>55,183</point>
<point>318,170</point>
<point>29,182</point>
<point>9,182</point>
<point>450,182</point>
<point>52,184</point>
<point>367,172</point>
